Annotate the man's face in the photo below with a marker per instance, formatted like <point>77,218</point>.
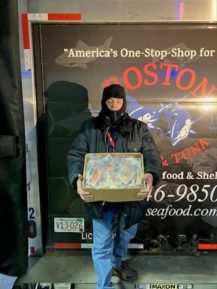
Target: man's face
<point>114,104</point>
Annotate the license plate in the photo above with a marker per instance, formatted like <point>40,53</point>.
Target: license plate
<point>68,225</point>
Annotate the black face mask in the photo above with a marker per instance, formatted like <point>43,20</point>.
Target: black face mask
<point>110,117</point>
<point>120,121</point>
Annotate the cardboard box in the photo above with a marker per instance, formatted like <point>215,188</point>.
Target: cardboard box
<point>113,177</point>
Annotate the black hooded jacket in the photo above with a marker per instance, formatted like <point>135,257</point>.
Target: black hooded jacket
<point>132,136</point>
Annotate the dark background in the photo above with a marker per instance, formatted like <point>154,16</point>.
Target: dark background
<point>71,92</point>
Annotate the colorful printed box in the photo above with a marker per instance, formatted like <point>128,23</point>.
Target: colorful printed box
<point>113,177</point>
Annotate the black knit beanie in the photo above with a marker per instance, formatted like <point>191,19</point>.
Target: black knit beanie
<point>108,118</point>
<point>111,118</point>
<point>113,91</point>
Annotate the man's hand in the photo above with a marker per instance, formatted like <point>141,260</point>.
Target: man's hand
<point>85,196</point>
<point>149,185</point>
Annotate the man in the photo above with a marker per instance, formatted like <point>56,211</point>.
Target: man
<point>113,131</point>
